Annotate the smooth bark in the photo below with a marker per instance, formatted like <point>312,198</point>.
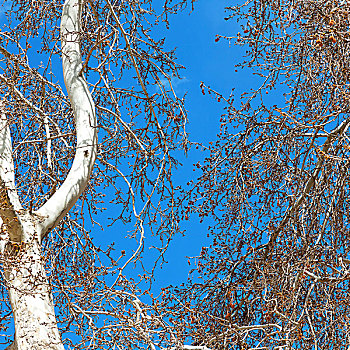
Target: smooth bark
<point>21,231</point>
<point>85,119</point>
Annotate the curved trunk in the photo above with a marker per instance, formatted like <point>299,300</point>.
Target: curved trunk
<point>21,232</point>
<point>85,121</point>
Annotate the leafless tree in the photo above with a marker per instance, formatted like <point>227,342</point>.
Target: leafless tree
<point>55,171</point>
<point>276,182</point>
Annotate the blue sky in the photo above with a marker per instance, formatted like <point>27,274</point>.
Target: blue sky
<point>193,34</point>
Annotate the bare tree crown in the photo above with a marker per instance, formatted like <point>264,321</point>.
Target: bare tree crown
<point>119,85</point>
<point>276,182</point>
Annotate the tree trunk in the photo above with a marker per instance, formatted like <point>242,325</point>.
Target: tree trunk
<point>27,284</point>
<point>30,296</point>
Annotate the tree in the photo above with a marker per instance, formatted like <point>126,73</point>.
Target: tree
<point>276,182</point>
<point>50,155</point>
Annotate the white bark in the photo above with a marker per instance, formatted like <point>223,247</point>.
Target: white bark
<point>9,201</point>
<point>30,295</point>
<point>85,118</point>
<point>24,269</point>
<point>7,172</point>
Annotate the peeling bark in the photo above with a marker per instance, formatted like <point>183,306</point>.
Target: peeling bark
<point>9,201</point>
<point>12,346</point>
<point>21,232</point>
<point>30,294</point>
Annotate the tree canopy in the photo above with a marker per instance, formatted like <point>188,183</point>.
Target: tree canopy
<point>140,124</point>
<point>273,186</point>
<point>276,184</point>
